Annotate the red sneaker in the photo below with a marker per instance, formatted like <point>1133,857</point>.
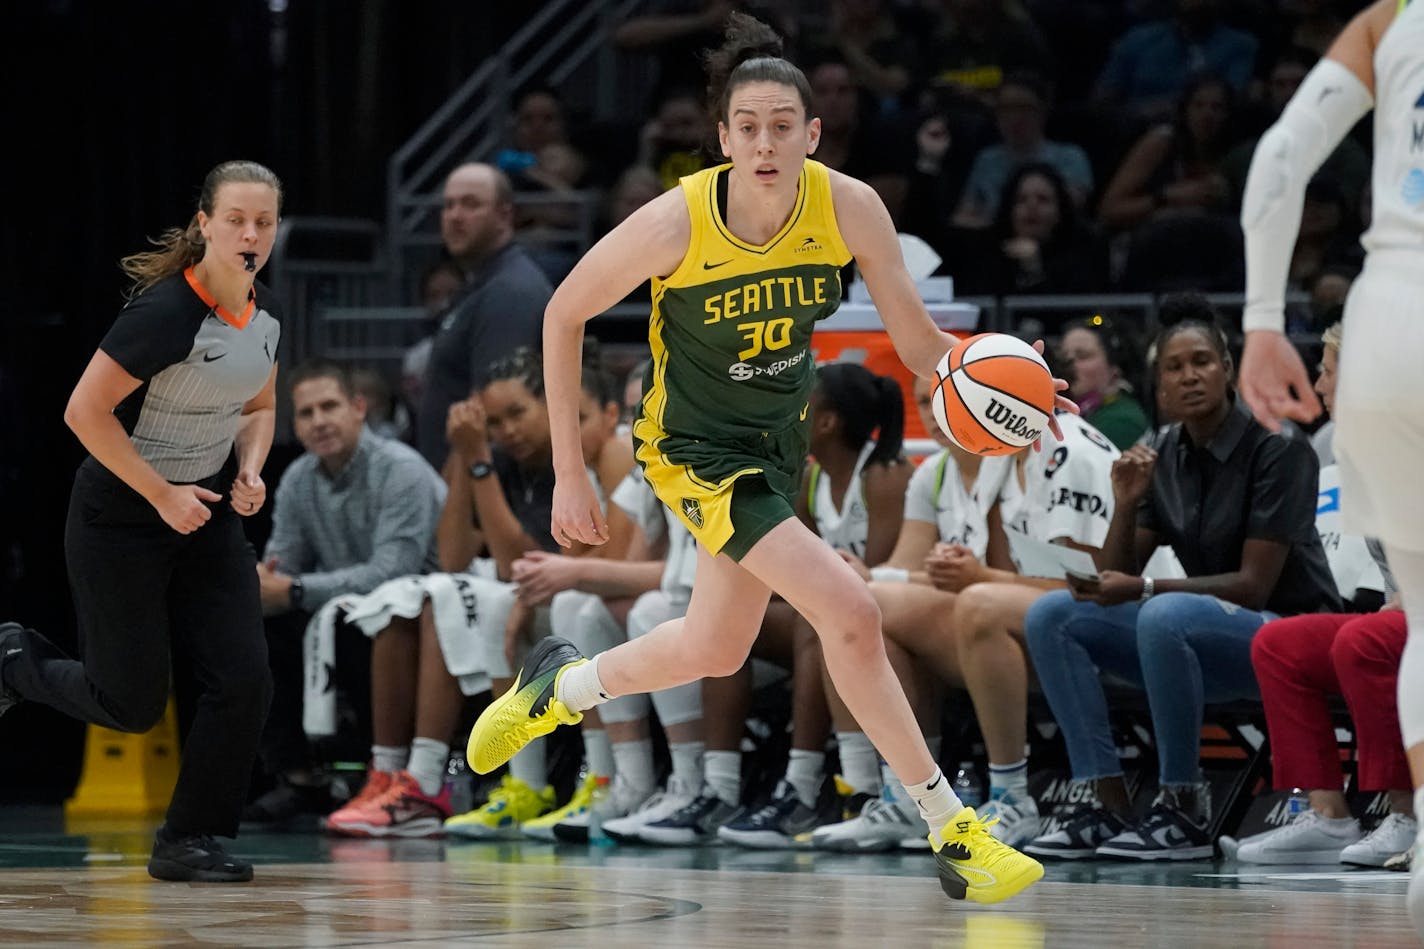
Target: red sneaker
<point>402,811</point>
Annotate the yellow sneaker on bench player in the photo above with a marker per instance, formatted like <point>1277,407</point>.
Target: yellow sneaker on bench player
<point>974,866</point>
<point>528,710</point>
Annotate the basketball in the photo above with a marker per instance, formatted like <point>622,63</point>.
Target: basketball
<point>993,394</point>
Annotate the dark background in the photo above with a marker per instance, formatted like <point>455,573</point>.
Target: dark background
<point>112,115</point>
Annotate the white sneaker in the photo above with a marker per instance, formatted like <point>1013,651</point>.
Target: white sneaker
<point>1307,839</point>
<point>1018,820</point>
<point>660,805</point>
<point>881,825</point>
<point>1395,833</point>
<point>617,801</point>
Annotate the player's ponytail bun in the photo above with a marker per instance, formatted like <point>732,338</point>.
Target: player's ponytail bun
<point>750,52</point>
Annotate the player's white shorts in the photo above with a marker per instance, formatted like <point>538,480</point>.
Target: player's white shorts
<point>1379,405</point>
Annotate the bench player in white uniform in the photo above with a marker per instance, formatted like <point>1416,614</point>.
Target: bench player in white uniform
<point>853,497</point>
<point>1376,62</point>
<point>949,503</point>
<point>1062,494</point>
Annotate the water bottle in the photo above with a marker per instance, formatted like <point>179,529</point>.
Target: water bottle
<point>461,783</point>
<point>967,785</point>
<point>1298,803</point>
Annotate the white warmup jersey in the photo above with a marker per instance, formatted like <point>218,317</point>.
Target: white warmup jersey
<point>1379,440</point>
<point>936,495</point>
<point>1067,487</point>
<point>642,506</point>
<point>846,527</point>
<point>1397,218</point>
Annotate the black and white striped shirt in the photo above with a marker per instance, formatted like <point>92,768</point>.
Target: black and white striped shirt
<point>198,365</point>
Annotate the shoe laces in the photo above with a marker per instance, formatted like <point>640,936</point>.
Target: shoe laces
<point>876,806</point>
<point>1391,820</point>
<point>510,791</point>
<point>984,846</point>
<point>401,785</point>
<point>783,801</point>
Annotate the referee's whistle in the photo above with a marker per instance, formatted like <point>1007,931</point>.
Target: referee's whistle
<point>251,259</point>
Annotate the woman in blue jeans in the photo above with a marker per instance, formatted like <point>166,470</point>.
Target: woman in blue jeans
<point>1236,504</point>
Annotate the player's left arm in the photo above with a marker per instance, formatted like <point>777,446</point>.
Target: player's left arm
<point>869,235</point>
<point>885,486</point>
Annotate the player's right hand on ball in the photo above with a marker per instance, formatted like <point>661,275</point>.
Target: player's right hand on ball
<point>182,507</point>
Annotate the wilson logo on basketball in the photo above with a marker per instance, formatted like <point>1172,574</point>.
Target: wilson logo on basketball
<point>1011,422</point>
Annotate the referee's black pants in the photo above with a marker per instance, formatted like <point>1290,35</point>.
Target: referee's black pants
<point>148,600</point>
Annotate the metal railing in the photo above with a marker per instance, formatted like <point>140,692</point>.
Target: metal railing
<point>558,40</point>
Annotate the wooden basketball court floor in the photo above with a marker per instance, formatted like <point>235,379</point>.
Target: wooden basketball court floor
<point>84,885</point>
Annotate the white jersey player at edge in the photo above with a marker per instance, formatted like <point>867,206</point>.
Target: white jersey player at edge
<point>1377,63</point>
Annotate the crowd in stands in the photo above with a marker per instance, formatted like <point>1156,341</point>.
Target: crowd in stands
<point>422,572</point>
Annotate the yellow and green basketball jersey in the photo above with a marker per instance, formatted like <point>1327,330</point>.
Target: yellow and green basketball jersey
<point>731,328</point>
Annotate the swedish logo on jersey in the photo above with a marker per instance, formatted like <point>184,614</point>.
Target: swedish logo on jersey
<point>692,510</point>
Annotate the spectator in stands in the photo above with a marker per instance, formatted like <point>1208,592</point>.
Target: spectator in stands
<point>1236,504</point>
<point>354,511</point>
<point>501,309</point>
<point>384,415</point>
<point>678,140</point>
<point>1100,361</point>
<point>677,32</point>
<point>1150,67</point>
<point>1036,245</point>
<point>1301,661</point>
<point>1348,164</point>
<point>539,123</point>
<point>883,57</point>
<point>946,141</point>
<point>979,42</point>
<point>853,141</point>
<point>1175,167</point>
<point>1021,107</point>
<point>441,282</point>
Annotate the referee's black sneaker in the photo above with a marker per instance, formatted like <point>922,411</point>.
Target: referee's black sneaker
<point>9,645</point>
<point>194,858</point>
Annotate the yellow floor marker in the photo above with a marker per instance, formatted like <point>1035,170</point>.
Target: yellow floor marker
<point>127,775</point>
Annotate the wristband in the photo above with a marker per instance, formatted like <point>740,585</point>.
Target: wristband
<point>889,574</point>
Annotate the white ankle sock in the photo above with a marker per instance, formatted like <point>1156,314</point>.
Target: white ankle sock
<point>389,758</point>
<point>804,771</point>
<point>722,772</point>
<point>529,765</point>
<point>597,752</point>
<point>579,688</point>
<point>633,763</point>
<point>428,759</point>
<point>1010,779</point>
<point>859,764</point>
<point>937,803</point>
<point>689,762</point>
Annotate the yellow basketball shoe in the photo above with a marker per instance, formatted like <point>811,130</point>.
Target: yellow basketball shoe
<point>509,806</point>
<point>528,710</point>
<point>973,865</point>
<point>542,828</point>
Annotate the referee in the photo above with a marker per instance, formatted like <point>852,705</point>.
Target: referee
<point>176,411</point>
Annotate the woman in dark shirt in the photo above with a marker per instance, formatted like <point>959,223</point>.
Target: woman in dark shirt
<point>1237,506</point>
<point>1037,243</point>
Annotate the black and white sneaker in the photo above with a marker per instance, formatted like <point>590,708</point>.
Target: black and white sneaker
<point>1081,832</point>
<point>774,826</point>
<point>692,825</point>
<point>194,858</point>
<point>1166,833</point>
<point>9,646</point>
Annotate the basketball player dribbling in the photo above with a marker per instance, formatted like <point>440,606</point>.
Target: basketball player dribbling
<point>1376,62</point>
<point>744,259</point>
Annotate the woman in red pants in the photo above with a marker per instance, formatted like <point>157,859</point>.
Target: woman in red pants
<point>1302,660</point>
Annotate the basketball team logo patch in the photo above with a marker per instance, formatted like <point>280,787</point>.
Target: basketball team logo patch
<point>692,510</point>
